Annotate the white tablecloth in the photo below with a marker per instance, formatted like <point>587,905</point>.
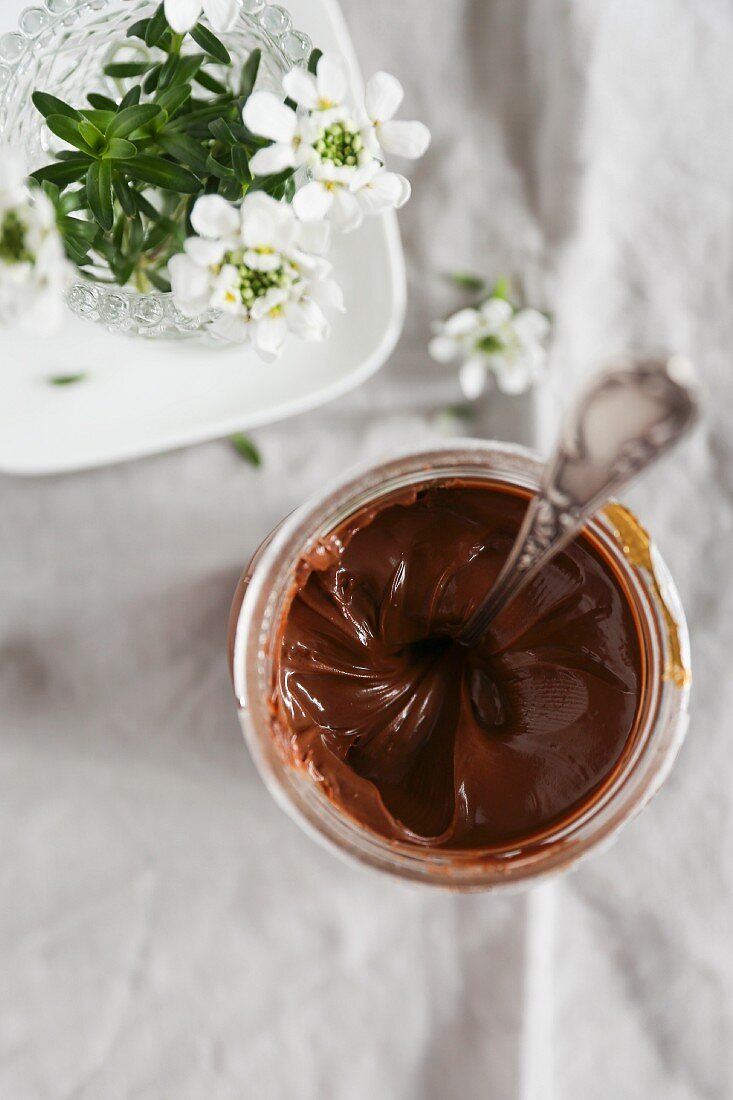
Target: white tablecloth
<point>165,932</point>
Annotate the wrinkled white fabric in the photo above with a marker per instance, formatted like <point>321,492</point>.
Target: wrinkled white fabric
<point>165,931</point>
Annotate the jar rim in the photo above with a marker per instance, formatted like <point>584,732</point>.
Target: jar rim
<point>661,720</point>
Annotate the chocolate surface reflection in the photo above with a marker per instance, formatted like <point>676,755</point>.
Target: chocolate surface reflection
<point>421,739</point>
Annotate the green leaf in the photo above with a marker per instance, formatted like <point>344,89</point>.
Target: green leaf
<point>206,80</point>
<point>246,137</point>
<point>101,119</point>
<point>66,379</point>
<point>135,237</point>
<point>131,119</point>
<point>502,288</point>
<point>50,105</point>
<point>99,193</point>
<point>64,172</point>
<point>159,282</point>
<point>77,237</point>
<point>173,99</point>
<point>240,164</point>
<point>185,150</point>
<point>244,446</point>
<point>163,230</point>
<point>231,189</point>
<point>156,28</point>
<point>150,83</point>
<point>137,30</point>
<point>68,130</point>
<point>92,135</point>
<point>120,149</point>
<point>313,60</point>
<point>188,68</point>
<point>211,45</point>
<point>131,98</point>
<point>125,196</point>
<point>101,102</point>
<point>249,74</point>
<point>221,171</point>
<point>164,174</point>
<point>464,280</point>
<point>143,205</point>
<point>168,70</point>
<point>72,200</point>
<point>272,184</point>
<point>126,68</point>
<point>222,132</point>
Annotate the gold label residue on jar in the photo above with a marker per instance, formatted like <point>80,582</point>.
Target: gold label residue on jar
<point>636,545</point>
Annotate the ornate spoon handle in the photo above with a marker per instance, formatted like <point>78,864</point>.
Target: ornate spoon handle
<point>631,413</point>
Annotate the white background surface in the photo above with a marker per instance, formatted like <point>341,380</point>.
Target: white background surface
<point>165,931</point>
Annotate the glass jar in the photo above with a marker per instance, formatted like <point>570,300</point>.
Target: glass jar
<point>62,47</point>
<point>661,719</point>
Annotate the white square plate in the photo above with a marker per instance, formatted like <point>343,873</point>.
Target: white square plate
<point>145,396</point>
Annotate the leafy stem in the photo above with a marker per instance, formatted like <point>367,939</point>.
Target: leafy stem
<point>132,160</point>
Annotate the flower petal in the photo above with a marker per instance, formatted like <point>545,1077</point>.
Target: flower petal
<point>530,324</point>
<point>265,114</point>
<point>442,349</point>
<point>512,378</point>
<point>272,159</point>
<point>235,328</point>
<point>190,285</point>
<point>384,93</point>
<point>306,320</point>
<point>462,323</point>
<point>386,191</point>
<point>262,261</point>
<point>331,79</point>
<point>312,202</point>
<point>270,335</point>
<point>327,293</point>
<point>213,217</point>
<point>496,312</point>
<point>301,86</point>
<point>204,252</point>
<point>346,211</point>
<point>472,378</point>
<point>314,237</point>
<point>222,14</point>
<point>404,139</point>
<point>182,15</point>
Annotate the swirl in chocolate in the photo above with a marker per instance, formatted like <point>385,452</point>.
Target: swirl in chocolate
<point>421,739</point>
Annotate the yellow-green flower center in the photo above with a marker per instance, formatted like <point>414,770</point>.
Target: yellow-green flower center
<point>252,283</point>
<point>341,143</point>
<point>490,343</point>
<point>13,248</point>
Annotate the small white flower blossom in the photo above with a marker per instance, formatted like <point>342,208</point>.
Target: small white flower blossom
<point>341,147</point>
<point>183,15</point>
<point>494,338</point>
<point>34,270</point>
<point>261,268</point>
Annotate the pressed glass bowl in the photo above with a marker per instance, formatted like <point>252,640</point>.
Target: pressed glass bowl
<point>62,47</point>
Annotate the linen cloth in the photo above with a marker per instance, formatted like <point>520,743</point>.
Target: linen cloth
<point>165,931</point>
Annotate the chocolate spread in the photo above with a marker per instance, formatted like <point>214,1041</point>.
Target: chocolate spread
<point>427,741</point>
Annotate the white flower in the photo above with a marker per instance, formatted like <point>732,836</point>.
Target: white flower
<point>341,147</point>
<point>183,15</point>
<point>260,267</point>
<point>494,338</point>
<point>34,270</point>
<point>383,96</point>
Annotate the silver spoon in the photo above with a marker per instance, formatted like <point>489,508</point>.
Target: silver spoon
<point>632,413</point>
